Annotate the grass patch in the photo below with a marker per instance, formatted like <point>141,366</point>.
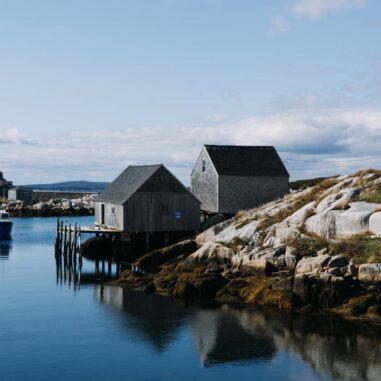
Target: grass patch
<point>360,248</point>
<point>303,184</point>
<point>300,201</point>
<point>308,246</point>
<point>371,194</point>
<point>365,172</point>
<point>276,218</point>
<point>243,219</point>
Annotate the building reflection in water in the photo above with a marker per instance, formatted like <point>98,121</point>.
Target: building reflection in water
<point>5,248</point>
<point>70,269</point>
<point>332,347</point>
<point>153,318</point>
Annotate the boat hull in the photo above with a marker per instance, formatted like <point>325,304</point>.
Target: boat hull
<point>5,229</point>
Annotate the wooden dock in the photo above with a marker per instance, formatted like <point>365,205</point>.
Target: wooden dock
<point>69,254</point>
<point>68,236</point>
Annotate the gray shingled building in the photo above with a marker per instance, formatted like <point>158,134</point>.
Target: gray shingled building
<point>150,199</point>
<point>227,179</point>
<point>21,194</point>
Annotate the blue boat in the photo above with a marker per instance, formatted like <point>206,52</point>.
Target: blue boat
<point>5,225</point>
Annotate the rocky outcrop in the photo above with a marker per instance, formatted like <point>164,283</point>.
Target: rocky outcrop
<point>54,207</point>
<point>157,258</point>
<point>318,249</point>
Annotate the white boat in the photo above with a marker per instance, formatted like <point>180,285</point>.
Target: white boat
<point>5,225</point>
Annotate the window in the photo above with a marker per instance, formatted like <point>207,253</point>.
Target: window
<point>113,210</point>
<point>164,208</point>
<point>203,166</point>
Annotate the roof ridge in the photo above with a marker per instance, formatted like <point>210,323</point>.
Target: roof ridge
<point>233,160</point>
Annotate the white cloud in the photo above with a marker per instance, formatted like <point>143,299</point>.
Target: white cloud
<point>279,24</point>
<point>311,9</point>
<point>321,134</point>
<point>315,9</point>
<point>13,136</point>
<point>217,117</point>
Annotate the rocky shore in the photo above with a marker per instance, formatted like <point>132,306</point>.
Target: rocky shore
<point>314,251</point>
<point>53,208</point>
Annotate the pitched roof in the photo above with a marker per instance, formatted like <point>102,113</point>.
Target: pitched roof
<point>141,178</point>
<point>246,160</point>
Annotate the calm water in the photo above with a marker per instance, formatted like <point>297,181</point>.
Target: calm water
<point>48,331</point>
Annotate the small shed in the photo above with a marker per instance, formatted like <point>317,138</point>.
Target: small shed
<point>21,194</point>
<point>147,198</point>
<point>227,179</point>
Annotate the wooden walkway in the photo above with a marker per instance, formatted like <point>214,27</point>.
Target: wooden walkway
<point>68,236</point>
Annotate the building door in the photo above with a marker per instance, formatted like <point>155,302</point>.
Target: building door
<point>102,214</point>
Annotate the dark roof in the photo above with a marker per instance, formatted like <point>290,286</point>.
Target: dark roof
<point>141,178</point>
<point>246,161</point>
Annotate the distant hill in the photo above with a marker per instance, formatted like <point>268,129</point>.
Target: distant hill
<point>71,186</point>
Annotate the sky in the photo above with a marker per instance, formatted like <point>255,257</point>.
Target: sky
<point>88,87</point>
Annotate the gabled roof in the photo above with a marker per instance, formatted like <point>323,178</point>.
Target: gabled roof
<point>141,178</point>
<point>246,160</point>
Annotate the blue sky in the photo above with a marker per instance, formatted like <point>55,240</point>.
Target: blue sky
<point>89,87</point>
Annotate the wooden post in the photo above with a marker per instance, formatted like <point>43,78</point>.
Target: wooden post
<point>61,235</point>
<point>58,234</point>
<point>65,240</point>
<point>147,242</point>
<point>75,240</point>
<point>109,268</point>
<point>70,238</point>
<point>79,240</point>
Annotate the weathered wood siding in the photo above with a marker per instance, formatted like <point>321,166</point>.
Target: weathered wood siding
<point>113,217</point>
<point>25,195</point>
<point>161,211</point>
<point>205,184</point>
<point>236,192</point>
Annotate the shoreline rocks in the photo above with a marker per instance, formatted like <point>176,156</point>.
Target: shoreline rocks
<point>311,251</point>
<point>52,208</point>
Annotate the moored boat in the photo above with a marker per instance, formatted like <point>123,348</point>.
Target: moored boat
<point>5,225</point>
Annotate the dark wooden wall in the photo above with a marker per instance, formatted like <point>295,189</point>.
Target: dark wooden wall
<point>161,211</point>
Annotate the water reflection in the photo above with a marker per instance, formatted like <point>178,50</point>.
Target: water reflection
<point>153,318</point>
<point>333,348</point>
<point>5,248</point>
<point>74,270</point>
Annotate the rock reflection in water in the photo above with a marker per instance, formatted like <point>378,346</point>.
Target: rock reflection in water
<point>5,248</point>
<point>218,338</point>
<point>332,347</point>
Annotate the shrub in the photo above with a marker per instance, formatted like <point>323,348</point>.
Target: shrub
<point>308,246</point>
<point>361,248</point>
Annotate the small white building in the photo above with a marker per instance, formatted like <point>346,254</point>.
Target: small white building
<point>21,194</point>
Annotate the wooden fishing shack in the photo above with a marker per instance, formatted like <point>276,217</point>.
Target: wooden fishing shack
<point>147,199</point>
